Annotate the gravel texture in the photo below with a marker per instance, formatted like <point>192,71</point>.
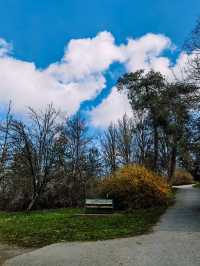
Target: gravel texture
<point>175,241</point>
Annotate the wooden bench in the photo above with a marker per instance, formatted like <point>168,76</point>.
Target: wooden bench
<point>98,206</point>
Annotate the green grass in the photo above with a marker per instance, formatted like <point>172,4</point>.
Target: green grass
<point>40,228</point>
<point>197,184</point>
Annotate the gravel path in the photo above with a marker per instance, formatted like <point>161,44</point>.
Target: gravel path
<point>174,242</point>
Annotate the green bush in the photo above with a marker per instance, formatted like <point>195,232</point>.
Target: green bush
<point>134,187</point>
<point>182,177</point>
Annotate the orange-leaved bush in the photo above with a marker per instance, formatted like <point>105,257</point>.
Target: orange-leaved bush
<point>134,186</point>
<point>182,177</point>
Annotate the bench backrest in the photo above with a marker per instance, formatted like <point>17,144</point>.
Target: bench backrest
<point>99,202</point>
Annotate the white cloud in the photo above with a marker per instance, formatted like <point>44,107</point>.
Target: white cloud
<point>80,74</point>
<point>66,84</point>
<point>143,53</point>
<point>86,57</point>
<point>111,109</point>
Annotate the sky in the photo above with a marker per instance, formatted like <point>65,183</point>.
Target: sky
<point>71,53</point>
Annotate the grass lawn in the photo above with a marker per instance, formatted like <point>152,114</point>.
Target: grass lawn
<point>197,184</point>
<point>40,228</point>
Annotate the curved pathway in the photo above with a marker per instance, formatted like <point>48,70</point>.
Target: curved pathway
<point>175,241</point>
<point>9,251</point>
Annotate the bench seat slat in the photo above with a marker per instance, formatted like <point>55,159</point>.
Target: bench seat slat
<point>99,202</point>
<point>99,207</point>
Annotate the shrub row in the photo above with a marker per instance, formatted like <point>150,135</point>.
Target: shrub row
<point>134,187</point>
<point>182,177</point>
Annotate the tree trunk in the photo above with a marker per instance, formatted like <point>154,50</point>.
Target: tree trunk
<point>172,167</point>
<point>33,202</point>
<point>155,160</point>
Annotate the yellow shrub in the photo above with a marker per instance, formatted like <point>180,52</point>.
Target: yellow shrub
<point>182,177</point>
<point>134,186</point>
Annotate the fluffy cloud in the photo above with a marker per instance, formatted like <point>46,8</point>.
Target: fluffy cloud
<point>26,86</point>
<point>80,74</point>
<point>111,109</point>
<point>66,84</point>
<point>144,53</point>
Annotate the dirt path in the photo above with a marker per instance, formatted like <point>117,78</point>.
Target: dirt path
<point>175,241</point>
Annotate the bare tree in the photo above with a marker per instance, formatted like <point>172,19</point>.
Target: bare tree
<point>109,148</point>
<point>192,46</point>
<point>125,133</point>
<point>142,138</point>
<point>5,142</point>
<point>75,161</point>
<point>38,139</point>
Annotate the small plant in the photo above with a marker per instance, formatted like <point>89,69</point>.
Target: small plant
<point>134,187</point>
<point>182,177</point>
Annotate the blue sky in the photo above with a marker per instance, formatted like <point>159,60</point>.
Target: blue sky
<point>40,30</point>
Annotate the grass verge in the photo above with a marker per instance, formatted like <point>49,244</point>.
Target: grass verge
<point>40,228</point>
<point>197,184</point>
